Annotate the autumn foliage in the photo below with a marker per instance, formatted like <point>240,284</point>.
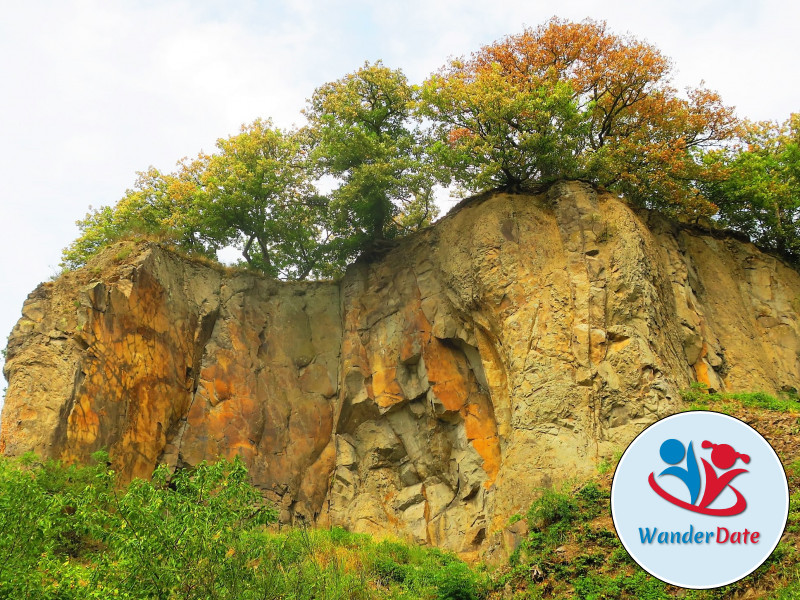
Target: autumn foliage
<point>574,100</point>
<point>563,100</point>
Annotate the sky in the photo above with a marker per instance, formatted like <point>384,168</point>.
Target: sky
<point>93,91</point>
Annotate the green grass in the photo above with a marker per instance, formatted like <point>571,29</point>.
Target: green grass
<point>606,465</point>
<point>699,398</point>
<point>123,254</point>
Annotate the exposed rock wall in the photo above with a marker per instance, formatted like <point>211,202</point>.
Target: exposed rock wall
<point>433,390</point>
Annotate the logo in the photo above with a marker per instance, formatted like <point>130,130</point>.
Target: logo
<point>699,499</point>
<point>723,456</point>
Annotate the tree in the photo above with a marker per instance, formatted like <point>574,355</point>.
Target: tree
<point>496,132</point>
<point>166,206</point>
<point>363,135</point>
<point>590,104</point>
<point>259,198</point>
<point>254,194</point>
<point>759,191</point>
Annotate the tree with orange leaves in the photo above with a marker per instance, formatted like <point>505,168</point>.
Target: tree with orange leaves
<point>598,105</point>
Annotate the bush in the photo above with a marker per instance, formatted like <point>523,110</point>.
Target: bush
<point>551,508</point>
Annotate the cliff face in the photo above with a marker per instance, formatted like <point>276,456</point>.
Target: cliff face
<point>431,391</point>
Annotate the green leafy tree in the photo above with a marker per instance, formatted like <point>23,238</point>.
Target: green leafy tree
<point>254,194</point>
<point>259,198</point>
<point>495,132</point>
<point>72,532</point>
<point>185,535</point>
<point>759,190</point>
<point>364,136</point>
<point>161,205</point>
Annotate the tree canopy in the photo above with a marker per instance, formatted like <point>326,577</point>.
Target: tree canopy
<point>364,135</point>
<point>563,100</point>
<point>759,192</point>
<point>572,100</point>
<point>255,194</point>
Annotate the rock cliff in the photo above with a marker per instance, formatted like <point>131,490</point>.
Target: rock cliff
<point>432,390</point>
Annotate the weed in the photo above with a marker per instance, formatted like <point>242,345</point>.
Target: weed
<point>551,508</point>
<point>123,254</point>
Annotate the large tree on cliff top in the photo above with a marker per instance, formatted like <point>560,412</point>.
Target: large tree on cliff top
<point>259,198</point>
<point>364,136</point>
<point>163,205</point>
<point>577,95</point>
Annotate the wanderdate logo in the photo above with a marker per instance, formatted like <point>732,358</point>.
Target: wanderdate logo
<point>723,457</point>
<point>699,499</point>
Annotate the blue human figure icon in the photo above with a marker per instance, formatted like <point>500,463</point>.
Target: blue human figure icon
<point>672,453</point>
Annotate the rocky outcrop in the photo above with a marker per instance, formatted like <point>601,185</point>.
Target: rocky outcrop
<point>434,389</point>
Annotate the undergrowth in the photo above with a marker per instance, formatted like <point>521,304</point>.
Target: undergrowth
<point>73,532</point>
<point>70,532</point>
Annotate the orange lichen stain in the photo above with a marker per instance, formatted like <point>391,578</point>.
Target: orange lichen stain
<point>617,346</point>
<point>481,430</point>
<point>701,367</point>
<point>222,389</point>
<point>489,451</point>
<point>83,422</point>
<point>478,422</point>
<point>701,370</point>
<point>138,356</point>
<point>386,390</point>
<point>416,332</point>
<point>447,372</point>
<point>27,414</point>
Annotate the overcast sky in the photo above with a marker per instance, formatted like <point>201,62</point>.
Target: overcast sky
<point>92,91</point>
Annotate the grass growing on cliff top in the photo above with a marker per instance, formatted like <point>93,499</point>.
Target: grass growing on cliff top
<point>73,532</point>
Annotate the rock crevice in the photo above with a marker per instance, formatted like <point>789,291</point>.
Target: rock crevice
<point>434,389</point>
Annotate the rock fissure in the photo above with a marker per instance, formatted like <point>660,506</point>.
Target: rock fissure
<point>432,390</point>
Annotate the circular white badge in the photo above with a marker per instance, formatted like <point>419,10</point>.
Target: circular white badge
<point>699,499</point>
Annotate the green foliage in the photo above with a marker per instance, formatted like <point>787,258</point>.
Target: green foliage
<point>123,254</point>
<point>606,465</point>
<point>254,194</point>
<point>699,398</point>
<point>759,193</point>
<point>260,199</point>
<point>563,100</point>
<point>493,132</point>
<point>790,592</point>
<point>552,508</point>
<point>69,532</point>
<point>72,532</point>
<point>426,573</point>
<point>575,101</point>
<point>165,206</point>
<point>363,135</point>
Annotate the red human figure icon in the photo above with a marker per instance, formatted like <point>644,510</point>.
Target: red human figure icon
<point>724,457</point>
